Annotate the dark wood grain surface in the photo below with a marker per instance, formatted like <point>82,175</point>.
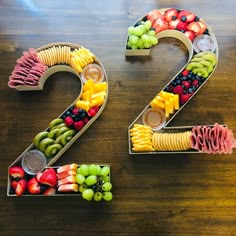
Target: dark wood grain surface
<point>153,195</point>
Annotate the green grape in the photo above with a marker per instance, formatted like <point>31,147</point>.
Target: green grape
<point>80,179</point>
<point>92,169</point>
<point>107,187</point>
<point>133,39</point>
<point>82,188</point>
<point>105,171</point>
<point>137,31</point>
<point>78,171</point>
<point>140,44</point>
<point>129,44</point>
<point>98,169</point>
<point>151,33</point>
<point>142,28</point>
<point>83,170</point>
<point>153,40</point>
<point>97,196</point>
<point>134,47</point>
<point>88,194</point>
<point>91,180</point>
<point>147,24</point>
<point>107,196</point>
<point>106,178</point>
<point>147,45</point>
<point>145,38</point>
<point>131,30</point>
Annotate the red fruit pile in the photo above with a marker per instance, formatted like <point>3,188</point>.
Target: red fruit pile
<point>43,183</point>
<point>182,20</point>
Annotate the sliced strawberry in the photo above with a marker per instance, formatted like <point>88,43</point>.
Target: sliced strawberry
<point>49,177</point>
<point>39,174</point>
<point>67,167</point>
<point>183,13</point>
<point>154,14</point>
<point>14,184</point>
<point>203,26</point>
<point>159,25</point>
<point>173,24</point>
<point>49,191</point>
<point>181,25</point>
<point>171,14</point>
<point>195,27</point>
<point>190,34</point>
<point>16,172</point>
<point>190,17</point>
<point>67,180</point>
<point>21,187</point>
<point>33,186</point>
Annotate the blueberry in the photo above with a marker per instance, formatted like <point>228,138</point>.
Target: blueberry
<point>68,113</point>
<point>94,188</point>
<point>194,88</point>
<point>138,23</point>
<point>197,77</point>
<point>71,109</point>
<point>144,18</point>
<point>190,72</point>
<point>152,29</point>
<point>184,78</point>
<point>183,18</point>
<point>178,10</point>
<point>189,76</point>
<point>178,81</point>
<point>43,188</point>
<point>196,18</point>
<point>182,31</point>
<point>190,90</point>
<point>172,82</point>
<point>174,17</point>
<point>206,32</point>
<point>167,88</point>
<point>73,116</point>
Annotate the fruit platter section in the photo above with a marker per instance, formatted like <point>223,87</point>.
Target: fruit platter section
<point>149,134</point>
<point>30,73</point>
<point>91,181</point>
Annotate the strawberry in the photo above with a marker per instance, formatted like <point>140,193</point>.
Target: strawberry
<point>173,24</point>
<point>159,25</point>
<point>16,172</point>
<point>78,125</point>
<point>183,13</point>
<point>65,174</point>
<point>49,191</point>
<point>49,177</point>
<point>186,84</point>
<point>33,186</point>
<point>184,98</point>
<point>178,90</point>
<point>21,187</point>
<point>171,14</point>
<point>190,34</point>
<point>203,26</point>
<point>181,25</point>
<point>195,27</point>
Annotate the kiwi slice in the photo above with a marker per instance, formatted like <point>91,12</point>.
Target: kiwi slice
<point>45,143</point>
<point>52,150</point>
<point>39,137</point>
<point>67,136</point>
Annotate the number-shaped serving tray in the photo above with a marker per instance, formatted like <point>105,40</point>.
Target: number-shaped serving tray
<point>145,52</point>
<point>50,71</point>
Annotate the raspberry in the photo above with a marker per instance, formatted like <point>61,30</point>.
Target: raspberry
<point>96,108</point>
<point>184,98</point>
<point>85,120</point>
<point>92,112</point>
<point>195,83</point>
<point>178,90</point>
<point>185,73</point>
<point>68,121</point>
<point>75,111</point>
<point>79,125</point>
<point>186,84</point>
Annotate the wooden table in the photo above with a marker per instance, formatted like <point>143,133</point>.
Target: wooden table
<point>153,195</point>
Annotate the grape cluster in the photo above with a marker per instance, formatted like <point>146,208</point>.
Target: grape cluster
<point>141,35</point>
<point>94,182</point>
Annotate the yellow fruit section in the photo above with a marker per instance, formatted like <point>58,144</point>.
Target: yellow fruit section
<point>168,102</point>
<point>93,94</point>
<point>79,58</point>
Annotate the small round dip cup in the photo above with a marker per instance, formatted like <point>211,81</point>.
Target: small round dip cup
<point>154,117</point>
<point>203,42</point>
<point>33,162</point>
<point>93,72</point>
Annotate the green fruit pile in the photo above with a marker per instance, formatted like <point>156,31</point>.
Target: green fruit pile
<point>94,182</point>
<point>52,141</point>
<point>202,63</point>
